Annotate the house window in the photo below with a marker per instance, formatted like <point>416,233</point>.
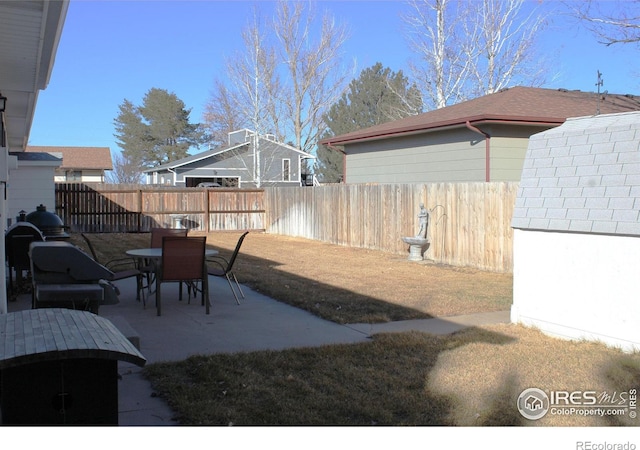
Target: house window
<point>74,175</point>
<point>286,170</point>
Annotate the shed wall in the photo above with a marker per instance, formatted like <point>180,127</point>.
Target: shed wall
<point>578,286</point>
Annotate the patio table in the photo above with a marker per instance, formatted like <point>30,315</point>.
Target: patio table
<point>155,254</point>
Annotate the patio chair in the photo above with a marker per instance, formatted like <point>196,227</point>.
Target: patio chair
<point>183,261</point>
<point>158,233</point>
<point>224,268</point>
<point>117,266</point>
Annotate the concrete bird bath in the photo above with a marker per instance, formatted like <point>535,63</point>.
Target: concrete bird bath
<point>419,242</point>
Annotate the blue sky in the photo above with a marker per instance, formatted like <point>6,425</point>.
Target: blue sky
<point>113,50</point>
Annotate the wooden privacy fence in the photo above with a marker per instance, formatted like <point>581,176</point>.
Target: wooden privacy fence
<point>469,223</point>
<point>110,208</point>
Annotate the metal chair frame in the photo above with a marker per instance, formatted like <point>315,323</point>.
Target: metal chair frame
<point>225,268</point>
<point>117,263</point>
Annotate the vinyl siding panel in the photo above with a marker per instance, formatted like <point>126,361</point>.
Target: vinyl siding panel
<point>507,156</point>
<point>455,156</point>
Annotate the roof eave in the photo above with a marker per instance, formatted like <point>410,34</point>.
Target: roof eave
<point>445,125</point>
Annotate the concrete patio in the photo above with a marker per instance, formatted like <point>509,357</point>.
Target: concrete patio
<point>258,323</point>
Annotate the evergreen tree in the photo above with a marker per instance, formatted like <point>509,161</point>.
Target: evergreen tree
<point>377,96</point>
<point>158,131</point>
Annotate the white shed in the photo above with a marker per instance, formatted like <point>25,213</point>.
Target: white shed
<point>577,231</point>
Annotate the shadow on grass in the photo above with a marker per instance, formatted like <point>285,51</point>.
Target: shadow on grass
<point>502,411</point>
<point>382,382</point>
<point>623,374</point>
<point>328,302</point>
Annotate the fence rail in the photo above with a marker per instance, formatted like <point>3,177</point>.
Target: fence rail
<point>110,208</point>
<point>469,223</point>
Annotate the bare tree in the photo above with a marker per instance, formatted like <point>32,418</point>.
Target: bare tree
<point>282,83</point>
<point>435,34</point>
<point>222,114</point>
<point>124,170</point>
<point>504,36</point>
<point>253,81</point>
<point>468,48</point>
<point>612,22</point>
<point>250,97</point>
<point>314,79</point>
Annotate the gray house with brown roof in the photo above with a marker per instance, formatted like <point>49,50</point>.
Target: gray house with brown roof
<point>79,164</point>
<point>484,139</point>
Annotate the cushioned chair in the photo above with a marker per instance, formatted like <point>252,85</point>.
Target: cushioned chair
<point>122,268</point>
<point>183,261</point>
<point>224,268</point>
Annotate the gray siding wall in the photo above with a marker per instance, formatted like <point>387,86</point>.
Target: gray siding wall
<point>241,166</point>
<point>447,156</point>
<point>507,157</point>
<point>451,156</point>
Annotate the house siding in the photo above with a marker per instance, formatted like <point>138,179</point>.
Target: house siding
<point>236,162</point>
<point>30,187</point>
<point>455,156</point>
<point>507,156</point>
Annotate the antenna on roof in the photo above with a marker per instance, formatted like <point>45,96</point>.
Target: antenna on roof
<point>599,84</point>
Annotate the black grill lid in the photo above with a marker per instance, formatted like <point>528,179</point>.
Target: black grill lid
<point>47,222</point>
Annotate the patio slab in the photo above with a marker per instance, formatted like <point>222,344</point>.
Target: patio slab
<point>258,323</point>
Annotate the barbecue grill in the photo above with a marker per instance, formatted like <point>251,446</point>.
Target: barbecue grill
<point>65,276</point>
<point>16,241</point>
<point>50,224</point>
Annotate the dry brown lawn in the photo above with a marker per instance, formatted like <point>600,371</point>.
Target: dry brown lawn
<point>342,284</point>
<point>472,377</point>
<point>349,285</point>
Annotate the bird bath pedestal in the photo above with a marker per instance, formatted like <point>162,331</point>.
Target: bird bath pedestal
<point>417,247</point>
<point>176,220</point>
<point>419,242</point>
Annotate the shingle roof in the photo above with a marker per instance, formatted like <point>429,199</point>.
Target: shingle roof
<point>583,176</point>
<point>513,105</point>
<point>98,158</point>
<point>37,156</point>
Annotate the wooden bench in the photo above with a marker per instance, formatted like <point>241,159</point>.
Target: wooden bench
<point>59,366</point>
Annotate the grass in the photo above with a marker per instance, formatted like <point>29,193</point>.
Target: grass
<point>470,378</point>
<point>342,284</point>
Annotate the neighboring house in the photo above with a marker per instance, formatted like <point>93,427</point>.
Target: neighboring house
<point>79,164</point>
<point>576,239</point>
<point>484,139</point>
<point>239,164</point>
